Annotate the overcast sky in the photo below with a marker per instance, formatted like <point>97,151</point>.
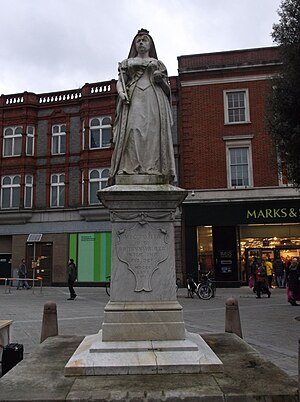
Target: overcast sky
<point>54,45</point>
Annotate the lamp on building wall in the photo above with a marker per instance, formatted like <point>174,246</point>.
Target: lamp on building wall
<point>193,193</point>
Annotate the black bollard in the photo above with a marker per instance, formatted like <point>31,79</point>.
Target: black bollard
<point>49,325</point>
<point>232,317</point>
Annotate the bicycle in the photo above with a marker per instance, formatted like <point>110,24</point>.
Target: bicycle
<point>205,289</point>
<point>107,286</point>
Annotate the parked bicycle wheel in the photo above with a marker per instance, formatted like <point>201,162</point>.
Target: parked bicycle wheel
<point>205,292</point>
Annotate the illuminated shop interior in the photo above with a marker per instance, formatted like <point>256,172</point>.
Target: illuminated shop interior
<point>261,241</point>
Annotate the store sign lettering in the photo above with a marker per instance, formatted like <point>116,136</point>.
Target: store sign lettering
<point>273,213</point>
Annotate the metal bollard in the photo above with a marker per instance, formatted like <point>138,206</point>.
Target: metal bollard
<point>49,325</point>
<point>232,317</point>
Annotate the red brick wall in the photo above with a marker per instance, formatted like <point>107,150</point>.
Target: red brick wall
<point>202,128</point>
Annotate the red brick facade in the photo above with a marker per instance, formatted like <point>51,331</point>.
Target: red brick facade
<point>202,80</point>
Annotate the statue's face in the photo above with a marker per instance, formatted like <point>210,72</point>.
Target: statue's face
<point>142,44</point>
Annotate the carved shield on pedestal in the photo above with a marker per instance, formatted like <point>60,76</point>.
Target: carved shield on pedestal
<point>142,248</point>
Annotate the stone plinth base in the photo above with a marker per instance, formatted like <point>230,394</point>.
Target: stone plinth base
<point>247,377</point>
<point>95,357</point>
<point>132,321</point>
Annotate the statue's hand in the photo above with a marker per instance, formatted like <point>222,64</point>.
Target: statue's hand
<point>123,96</point>
<point>157,76</point>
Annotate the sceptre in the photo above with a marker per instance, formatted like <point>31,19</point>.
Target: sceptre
<point>123,84</point>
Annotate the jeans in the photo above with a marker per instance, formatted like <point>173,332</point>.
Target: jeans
<point>23,283</point>
<point>280,279</point>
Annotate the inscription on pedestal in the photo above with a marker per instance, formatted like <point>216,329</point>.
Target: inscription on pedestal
<point>142,248</point>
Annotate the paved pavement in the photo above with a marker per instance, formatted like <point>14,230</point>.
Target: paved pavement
<point>271,326</point>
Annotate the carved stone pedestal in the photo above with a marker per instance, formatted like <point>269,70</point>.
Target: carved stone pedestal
<point>143,328</point>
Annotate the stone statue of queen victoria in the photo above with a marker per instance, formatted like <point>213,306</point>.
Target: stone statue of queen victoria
<point>142,129</point>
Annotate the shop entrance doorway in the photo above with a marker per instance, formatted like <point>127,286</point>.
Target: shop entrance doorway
<point>5,266</point>
<point>42,263</point>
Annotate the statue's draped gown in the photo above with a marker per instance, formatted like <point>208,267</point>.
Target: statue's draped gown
<point>142,129</point>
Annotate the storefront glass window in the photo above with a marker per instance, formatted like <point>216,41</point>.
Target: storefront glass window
<point>205,249</point>
<point>269,241</point>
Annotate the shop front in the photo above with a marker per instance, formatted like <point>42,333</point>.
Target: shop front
<point>225,237</point>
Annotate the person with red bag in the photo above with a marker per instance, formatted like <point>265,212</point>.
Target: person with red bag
<point>261,281</point>
<point>294,283</point>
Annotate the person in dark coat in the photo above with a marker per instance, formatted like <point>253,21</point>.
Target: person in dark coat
<point>72,276</point>
<point>278,266</point>
<point>261,281</point>
<point>294,283</point>
<point>22,273</point>
<point>253,267</point>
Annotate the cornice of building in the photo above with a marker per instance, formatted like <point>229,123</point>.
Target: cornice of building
<point>215,196</point>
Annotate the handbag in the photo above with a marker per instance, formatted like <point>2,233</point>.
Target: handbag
<point>251,282</point>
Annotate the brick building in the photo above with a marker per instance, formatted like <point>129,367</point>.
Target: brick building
<point>55,154</point>
<point>240,204</point>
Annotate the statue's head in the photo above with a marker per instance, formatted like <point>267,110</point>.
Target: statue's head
<point>152,50</point>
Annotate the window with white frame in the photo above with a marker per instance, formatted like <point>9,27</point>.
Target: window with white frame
<point>57,191</point>
<point>100,132</point>
<point>239,161</point>
<point>10,191</point>
<point>236,106</point>
<point>97,181</point>
<point>28,192</point>
<point>30,140</point>
<point>58,139</point>
<point>12,141</point>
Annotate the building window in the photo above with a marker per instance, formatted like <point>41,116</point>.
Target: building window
<point>28,191</point>
<point>100,132</point>
<point>10,192</point>
<point>239,161</point>
<point>57,193</point>
<point>58,139</point>
<point>30,140</point>
<point>236,106</point>
<point>239,167</point>
<point>12,141</point>
<point>97,181</point>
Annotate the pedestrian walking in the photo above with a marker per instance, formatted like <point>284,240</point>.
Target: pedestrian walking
<point>261,281</point>
<point>72,276</point>
<point>22,273</point>
<point>253,268</point>
<point>294,283</point>
<point>269,269</point>
<point>279,272</point>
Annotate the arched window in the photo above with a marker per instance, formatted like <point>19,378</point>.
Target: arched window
<point>57,193</point>
<point>97,181</point>
<point>100,132</point>
<point>10,192</point>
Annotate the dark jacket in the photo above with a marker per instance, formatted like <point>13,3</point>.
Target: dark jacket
<point>22,271</point>
<point>72,272</point>
<point>278,267</point>
<point>294,281</point>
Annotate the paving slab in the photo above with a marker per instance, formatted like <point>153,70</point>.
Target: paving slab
<point>247,377</point>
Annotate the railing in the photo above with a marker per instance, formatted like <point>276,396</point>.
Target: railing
<point>8,283</point>
<point>100,88</point>
<point>11,100</point>
<point>97,88</point>
<point>60,97</point>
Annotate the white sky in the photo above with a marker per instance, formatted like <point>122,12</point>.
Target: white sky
<point>53,45</point>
